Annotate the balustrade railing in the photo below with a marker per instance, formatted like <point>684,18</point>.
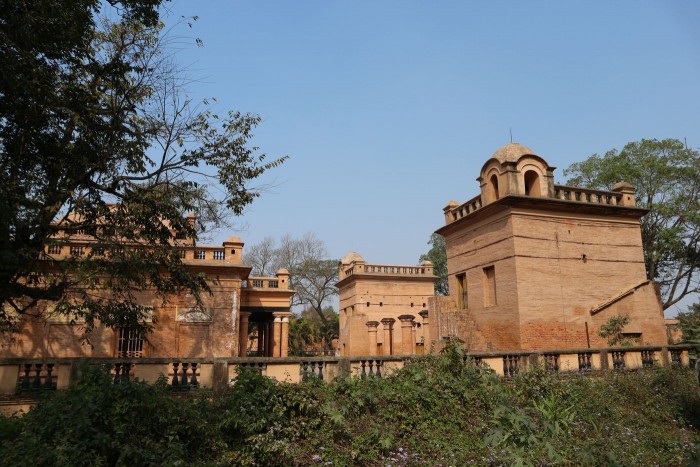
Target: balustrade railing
<point>586,195</point>
<point>24,375</point>
<point>676,357</point>
<point>647,358</point>
<point>37,377</point>
<point>511,365</point>
<point>311,369</point>
<point>466,208</point>
<point>122,372</point>
<point>371,368</point>
<point>184,375</point>
<point>618,359</point>
<point>584,361</point>
<point>551,362</point>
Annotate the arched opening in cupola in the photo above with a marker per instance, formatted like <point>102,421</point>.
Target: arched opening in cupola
<point>493,184</point>
<point>532,183</point>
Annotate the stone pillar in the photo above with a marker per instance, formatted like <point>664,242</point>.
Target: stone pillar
<point>243,334</point>
<point>269,338</point>
<point>413,337</point>
<point>277,337</point>
<point>285,337</point>
<point>372,333</point>
<point>388,346</point>
<point>426,329</point>
<point>261,338</point>
<point>406,326</point>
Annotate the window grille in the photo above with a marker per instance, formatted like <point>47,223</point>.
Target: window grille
<point>130,343</point>
<point>76,251</point>
<point>257,283</point>
<point>54,249</point>
<point>200,254</point>
<point>219,255</point>
<point>274,284</point>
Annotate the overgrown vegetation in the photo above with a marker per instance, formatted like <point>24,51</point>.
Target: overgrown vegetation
<point>438,410</point>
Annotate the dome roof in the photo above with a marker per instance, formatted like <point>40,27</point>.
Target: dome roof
<point>352,257</point>
<point>512,152</point>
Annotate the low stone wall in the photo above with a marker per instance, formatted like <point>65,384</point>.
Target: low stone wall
<point>23,379</point>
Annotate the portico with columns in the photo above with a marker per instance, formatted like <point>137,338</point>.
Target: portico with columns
<point>264,316</point>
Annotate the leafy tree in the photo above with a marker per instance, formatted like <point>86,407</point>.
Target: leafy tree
<point>309,335</point>
<point>99,137</point>
<point>613,329</point>
<point>666,176</point>
<point>438,256</point>
<point>690,324</point>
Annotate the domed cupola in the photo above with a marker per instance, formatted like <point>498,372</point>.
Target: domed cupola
<point>515,169</point>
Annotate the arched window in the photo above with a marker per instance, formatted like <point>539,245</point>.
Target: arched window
<point>532,183</point>
<point>494,186</point>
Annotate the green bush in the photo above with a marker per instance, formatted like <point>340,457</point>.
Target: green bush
<point>100,423</point>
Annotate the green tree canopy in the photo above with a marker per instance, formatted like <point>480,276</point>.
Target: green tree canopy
<point>438,256</point>
<point>99,136</point>
<point>666,177</point>
<point>690,324</point>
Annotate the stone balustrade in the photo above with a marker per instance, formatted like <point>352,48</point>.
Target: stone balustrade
<point>22,376</point>
<point>585,195</point>
<point>255,282</point>
<point>387,269</point>
<point>454,213</point>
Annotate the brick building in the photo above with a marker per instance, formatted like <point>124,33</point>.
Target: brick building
<point>239,303</point>
<point>382,307</point>
<point>536,265</point>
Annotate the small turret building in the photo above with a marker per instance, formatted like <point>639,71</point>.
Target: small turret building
<point>536,265</point>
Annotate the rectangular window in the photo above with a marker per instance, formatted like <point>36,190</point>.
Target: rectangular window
<point>274,284</point>
<point>489,286</point>
<point>130,343</point>
<point>200,254</point>
<point>54,249</point>
<point>219,255</point>
<point>462,301</point>
<point>76,251</point>
<point>257,283</point>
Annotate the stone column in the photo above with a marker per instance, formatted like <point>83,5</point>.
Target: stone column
<point>388,346</point>
<point>243,334</point>
<point>261,338</point>
<point>413,336</point>
<point>285,336</point>
<point>406,326</point>
<point>426,329</point>
<point>277,337</point>
<point>372,333</point>
<point>269,338</point>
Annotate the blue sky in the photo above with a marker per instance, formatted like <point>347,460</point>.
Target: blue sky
<point>388,109</point>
